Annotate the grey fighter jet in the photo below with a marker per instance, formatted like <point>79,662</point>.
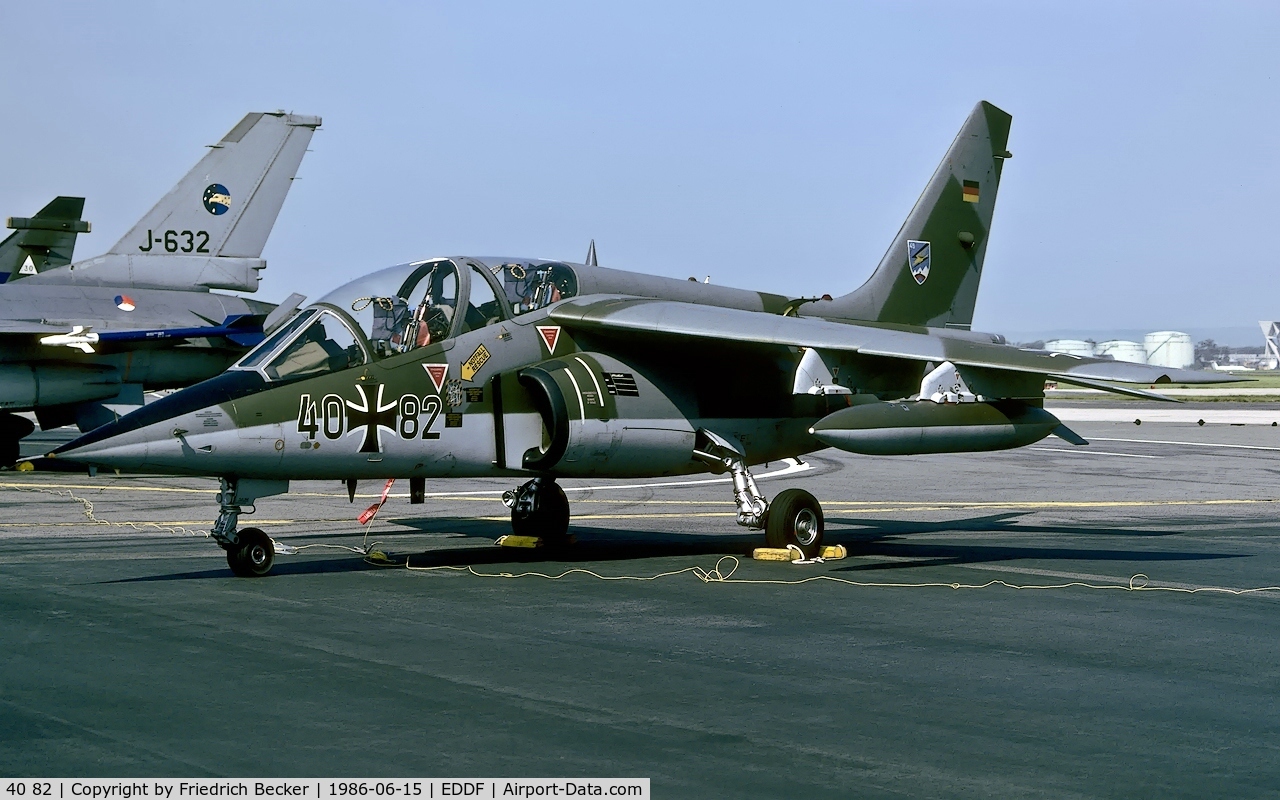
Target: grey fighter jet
<point>538,370</point>
<point>81,342</point>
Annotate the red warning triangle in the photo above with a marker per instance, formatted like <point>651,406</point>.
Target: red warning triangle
<point>437,373</point>
<point>550,335</point>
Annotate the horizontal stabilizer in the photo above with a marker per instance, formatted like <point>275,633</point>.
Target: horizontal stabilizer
<point>1106,387</point>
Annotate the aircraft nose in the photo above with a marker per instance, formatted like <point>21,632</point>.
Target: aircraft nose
<point>125,443</point>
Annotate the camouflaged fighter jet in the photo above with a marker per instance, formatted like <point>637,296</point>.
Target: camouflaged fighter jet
<point>80,341</point>
<point>44,241</point>
<point>538,370</point>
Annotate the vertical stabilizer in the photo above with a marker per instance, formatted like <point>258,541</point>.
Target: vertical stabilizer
<point>931,272</point>
<point>591,255</point>
<point>227,205</point>
<point>44,241</point>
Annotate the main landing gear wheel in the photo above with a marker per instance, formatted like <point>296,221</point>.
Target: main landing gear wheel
<point>795,518</point>
<point>542,510</point>
<point>252,555</point>
<point>12,429</point>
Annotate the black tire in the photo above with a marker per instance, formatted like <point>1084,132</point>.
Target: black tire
<point>10,449</point>
<point>12,429</point>
<point>549,520</point>
<point>253,554</point>
<point>795,517</point>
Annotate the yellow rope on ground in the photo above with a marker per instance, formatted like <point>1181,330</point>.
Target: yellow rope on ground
<point>87,507</point>
<point>1137,583</point>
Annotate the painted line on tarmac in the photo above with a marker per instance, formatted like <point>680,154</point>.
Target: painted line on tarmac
<point>1211,416</point>
<point>1189,444</point>
<point>1084,576</point>
<point>921,505</point>
<point>89,487</point>
<point>1074,452</point>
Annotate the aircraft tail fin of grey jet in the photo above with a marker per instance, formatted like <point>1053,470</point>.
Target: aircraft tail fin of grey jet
<point>229,201</point>
<point>44,241</point>
<point>591,255</point>
<point>931,272</point>
<point>208,231</point>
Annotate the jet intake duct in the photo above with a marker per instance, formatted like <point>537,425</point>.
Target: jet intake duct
<point>24,386</point>
<point>598,413</point>
<point>918,427</point>
<point>548,399</point>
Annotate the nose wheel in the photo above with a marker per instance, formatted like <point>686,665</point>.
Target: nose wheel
<point>250,552</point>
<point>252,555</point>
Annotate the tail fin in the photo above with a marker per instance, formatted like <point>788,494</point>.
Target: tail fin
<point>227,205</point>
<point>44,241</point>
<point>930,274</point>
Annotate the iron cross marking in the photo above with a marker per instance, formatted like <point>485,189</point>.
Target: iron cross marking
<point>373,417</point>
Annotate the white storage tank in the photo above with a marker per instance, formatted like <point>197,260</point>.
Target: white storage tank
<point>1075,347</point>
<point>1170,349</point>
<point>1121,350</point>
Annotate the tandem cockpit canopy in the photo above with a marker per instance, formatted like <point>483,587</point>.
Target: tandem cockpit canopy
<point>401,308</point>
<point>414,305</point>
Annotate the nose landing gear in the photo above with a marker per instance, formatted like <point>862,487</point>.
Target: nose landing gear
<point>250,552</point>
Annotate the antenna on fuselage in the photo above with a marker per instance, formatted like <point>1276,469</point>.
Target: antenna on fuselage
<point>591,255</point>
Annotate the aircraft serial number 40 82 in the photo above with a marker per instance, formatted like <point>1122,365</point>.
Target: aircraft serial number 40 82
<point>539,370</point>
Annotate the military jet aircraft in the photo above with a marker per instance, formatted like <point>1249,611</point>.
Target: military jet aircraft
<point>82,341</point>
<point>44,241</point>
<point>535,370</point>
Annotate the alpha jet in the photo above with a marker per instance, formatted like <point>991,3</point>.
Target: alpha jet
<point>80,341</point>
<point>534,370</point>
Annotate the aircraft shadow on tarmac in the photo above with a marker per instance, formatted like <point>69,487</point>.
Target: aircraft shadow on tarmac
<point>883,537</point>
<point>595,544</point>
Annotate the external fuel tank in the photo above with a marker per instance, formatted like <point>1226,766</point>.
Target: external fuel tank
<point>922,426</point>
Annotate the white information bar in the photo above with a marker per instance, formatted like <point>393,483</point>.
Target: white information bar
<point>317,788</point>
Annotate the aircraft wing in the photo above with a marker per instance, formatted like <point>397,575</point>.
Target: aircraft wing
<point>662,318</point>
<point>29,327</point>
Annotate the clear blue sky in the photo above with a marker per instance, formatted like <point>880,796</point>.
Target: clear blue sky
<point>775,147</point>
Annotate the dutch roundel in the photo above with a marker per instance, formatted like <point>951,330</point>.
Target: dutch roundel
<point>124,302</point>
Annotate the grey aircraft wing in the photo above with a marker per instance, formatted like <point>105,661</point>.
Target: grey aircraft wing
<point>661,318</point>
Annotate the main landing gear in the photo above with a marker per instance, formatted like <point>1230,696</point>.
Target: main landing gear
<point>794,518</point>
<point>250,552</point>
<point>539,509</point>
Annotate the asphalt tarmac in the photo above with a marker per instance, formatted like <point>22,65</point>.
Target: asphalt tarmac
<point>135,652</point>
